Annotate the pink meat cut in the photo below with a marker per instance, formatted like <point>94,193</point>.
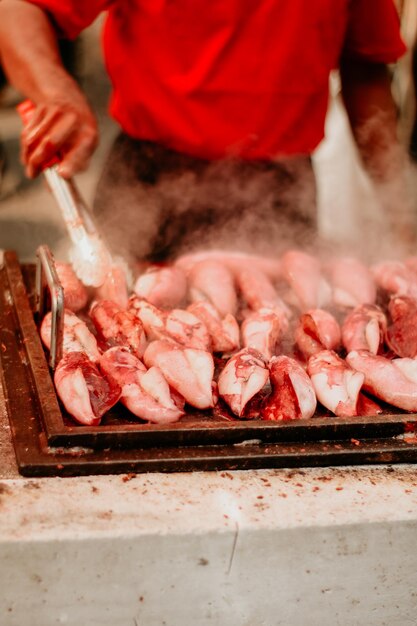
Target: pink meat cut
<point>84,391</point>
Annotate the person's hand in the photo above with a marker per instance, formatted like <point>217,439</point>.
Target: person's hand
<point>62,128</point>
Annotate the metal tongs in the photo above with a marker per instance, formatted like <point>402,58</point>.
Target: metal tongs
<point>49,291</point>
<point>90,257</point>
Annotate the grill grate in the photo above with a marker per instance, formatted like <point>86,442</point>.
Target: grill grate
<point>48,443</point>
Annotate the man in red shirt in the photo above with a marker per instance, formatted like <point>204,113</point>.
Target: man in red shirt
<point>220,104</point>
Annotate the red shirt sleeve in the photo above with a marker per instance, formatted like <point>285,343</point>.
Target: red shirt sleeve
<point>373,31</point>
<point>70,17</point>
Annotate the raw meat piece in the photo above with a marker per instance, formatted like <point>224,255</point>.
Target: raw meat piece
<point>317,330</point>
<point>84,391</point>
<point>402,334</point>
<point>224,333</point>
<point>269,266</point>
<point>337,385</point>
<point>118,327</point>
<point>293,395</point>
<point>352,282</point>
<point>177,325</point>
<point>303,273</point>
<point>367,406</point>
<point>187,329</point>
<point>364,329</point>
<point>188,371</point>
<point>259,292</point>
<point>164,287</point>
<point>77,337</point>
<point>411,263</point>
<point>396,278</point>
<point>243,376</point>
<point>75,294</point>
<point>213,282</point>
<point>262,330</point>
<point>114,287</point>
<point>152,318</point>
<point>394,382</point>
<point>145,392</point>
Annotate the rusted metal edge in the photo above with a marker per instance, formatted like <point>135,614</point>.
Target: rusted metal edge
<point>48,406</point>
<point>207,432</point>
<point>43,461</point>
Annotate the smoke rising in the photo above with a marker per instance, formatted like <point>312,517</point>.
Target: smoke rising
<point>370,214</point>
<point>154,204</point>
<point>253,207</point>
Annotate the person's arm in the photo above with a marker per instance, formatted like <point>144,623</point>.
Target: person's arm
<point>63,121</point>
<point>366,92</point>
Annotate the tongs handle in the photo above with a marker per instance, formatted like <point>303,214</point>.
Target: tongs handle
<point>73,209</point>
<point>91,258</point>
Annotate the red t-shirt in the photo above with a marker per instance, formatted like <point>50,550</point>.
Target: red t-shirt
<point>214,78</point>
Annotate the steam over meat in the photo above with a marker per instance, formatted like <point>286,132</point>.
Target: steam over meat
<point>352,282</point>
<point>212,282</point>
<point>164,287</point>
<point>395,278</point>
<point>303,273</point>
<point>259,292</point>
<point>234,261</point>
<point>75,294</point>
<point>84,391</point>
<point>114,287</point>
<point>411,263</point>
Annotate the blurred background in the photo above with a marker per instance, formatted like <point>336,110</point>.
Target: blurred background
<point>28,216</point>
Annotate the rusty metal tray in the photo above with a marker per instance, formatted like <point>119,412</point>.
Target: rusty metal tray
<point>48,443</point>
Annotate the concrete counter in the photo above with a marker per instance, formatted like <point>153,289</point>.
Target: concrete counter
<point>327,546</point>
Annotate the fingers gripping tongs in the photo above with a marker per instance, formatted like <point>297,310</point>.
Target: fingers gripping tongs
<point>90,257</point>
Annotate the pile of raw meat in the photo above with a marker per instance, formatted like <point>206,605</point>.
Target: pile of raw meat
<point>272,339</point>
